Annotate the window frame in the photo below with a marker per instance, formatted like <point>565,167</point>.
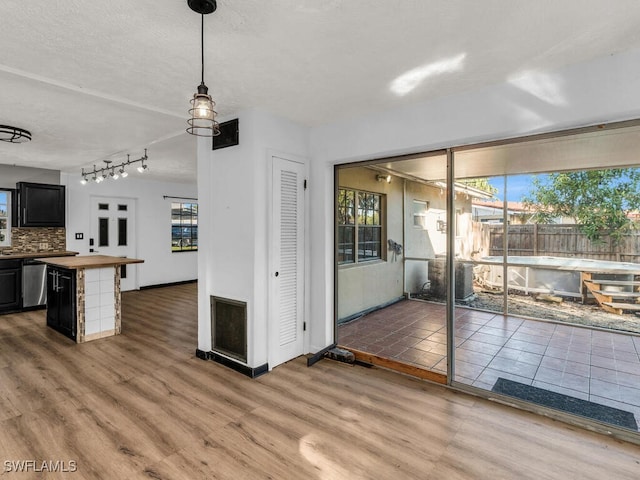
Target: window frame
<point>190,226</point>
<point>7,217</point>
<point>420,215</point>
<point>355,214</point>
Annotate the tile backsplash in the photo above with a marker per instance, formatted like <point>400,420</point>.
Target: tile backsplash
<point>37,239</point>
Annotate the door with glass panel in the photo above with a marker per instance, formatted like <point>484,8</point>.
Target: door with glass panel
<point>113,233</point>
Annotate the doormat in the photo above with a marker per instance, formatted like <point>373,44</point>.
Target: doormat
<point>565,403</point>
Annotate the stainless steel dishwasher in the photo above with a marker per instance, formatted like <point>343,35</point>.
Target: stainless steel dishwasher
<point>34,283</point>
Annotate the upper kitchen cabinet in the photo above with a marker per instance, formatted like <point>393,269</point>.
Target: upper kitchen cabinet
<point>40,205</point>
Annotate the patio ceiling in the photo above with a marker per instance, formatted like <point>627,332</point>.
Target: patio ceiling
<point>603,146</point>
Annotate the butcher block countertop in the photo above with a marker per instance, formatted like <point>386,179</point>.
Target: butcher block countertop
<point>64,253</point>
<point>88,261</point>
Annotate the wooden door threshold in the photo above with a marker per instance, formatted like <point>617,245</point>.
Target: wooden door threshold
<point>397,366</point>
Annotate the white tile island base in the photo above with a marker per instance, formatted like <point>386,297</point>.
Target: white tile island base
<point>98,307</point>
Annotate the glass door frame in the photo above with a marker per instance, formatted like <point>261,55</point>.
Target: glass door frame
<point>451,152</point>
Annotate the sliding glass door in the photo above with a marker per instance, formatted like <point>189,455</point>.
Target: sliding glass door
<point>556,274</point>
<point>391,249</point>
<point>541,303</point>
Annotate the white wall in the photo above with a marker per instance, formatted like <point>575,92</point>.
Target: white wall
<point>153,224</point>
<point>234,222</point>
<point>604,90</point>
<point>10,175</point>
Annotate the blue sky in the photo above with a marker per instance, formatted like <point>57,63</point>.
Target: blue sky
<point>517,186</point>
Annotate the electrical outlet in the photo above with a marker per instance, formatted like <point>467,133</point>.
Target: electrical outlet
<point>44,245</point>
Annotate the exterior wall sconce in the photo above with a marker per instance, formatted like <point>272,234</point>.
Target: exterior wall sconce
<point>384,178</point>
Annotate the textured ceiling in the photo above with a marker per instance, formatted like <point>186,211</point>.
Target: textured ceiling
<point>97,80</point>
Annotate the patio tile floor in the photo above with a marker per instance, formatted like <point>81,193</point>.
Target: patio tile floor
<point>599,366</point>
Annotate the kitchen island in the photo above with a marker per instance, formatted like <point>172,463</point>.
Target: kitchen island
<point>83,295</point>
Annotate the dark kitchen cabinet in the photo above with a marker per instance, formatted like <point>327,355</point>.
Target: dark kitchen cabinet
<point>10,285</point>
<point>61,300</point>
<point>40,205</point>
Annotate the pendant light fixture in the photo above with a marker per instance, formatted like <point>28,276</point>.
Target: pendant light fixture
<point>202,121</point>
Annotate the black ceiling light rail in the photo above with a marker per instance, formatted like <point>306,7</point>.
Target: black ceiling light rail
<point>114,172</point>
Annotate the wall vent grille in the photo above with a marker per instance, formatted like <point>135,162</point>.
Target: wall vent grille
<point>229,327</point>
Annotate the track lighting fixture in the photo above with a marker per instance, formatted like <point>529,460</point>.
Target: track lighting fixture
<point>113,171</point>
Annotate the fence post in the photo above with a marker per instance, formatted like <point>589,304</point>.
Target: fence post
<point>535,239</point>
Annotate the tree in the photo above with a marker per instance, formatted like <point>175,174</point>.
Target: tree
<point>481,183</point>
<point>598,200</point>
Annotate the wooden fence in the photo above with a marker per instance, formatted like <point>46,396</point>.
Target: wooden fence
<point>555,241</point>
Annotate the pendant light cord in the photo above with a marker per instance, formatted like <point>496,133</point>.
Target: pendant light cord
<point>202,44</point>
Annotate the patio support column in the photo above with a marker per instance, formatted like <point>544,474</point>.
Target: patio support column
<point>450,265</point>
<point>505,249</point>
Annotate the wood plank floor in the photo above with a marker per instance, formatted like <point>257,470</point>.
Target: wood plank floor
<point>141,406</point>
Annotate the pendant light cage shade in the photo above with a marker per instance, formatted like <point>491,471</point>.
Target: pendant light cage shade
<point>14,134</point>
<point>202,121</point>
<point>203,117</point>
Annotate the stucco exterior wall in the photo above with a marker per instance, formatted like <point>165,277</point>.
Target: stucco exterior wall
<point>362,286</point>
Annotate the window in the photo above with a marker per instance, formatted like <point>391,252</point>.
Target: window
<point>420,208</point>
<point>122,232</point>
<point>359,226</point>
<point>5,218</point>
<point>184,227</point>
<point>103,232</point>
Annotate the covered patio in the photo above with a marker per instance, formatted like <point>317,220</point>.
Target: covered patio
<point>599,366</point>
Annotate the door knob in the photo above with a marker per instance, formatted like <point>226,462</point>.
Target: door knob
<point>277,274</point>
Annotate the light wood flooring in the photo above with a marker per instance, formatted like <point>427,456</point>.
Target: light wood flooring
<point>141,405</point>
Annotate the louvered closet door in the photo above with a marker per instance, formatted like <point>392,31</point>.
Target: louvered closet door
<point>287,265</point>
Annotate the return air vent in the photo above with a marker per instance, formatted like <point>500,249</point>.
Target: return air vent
<point>229,135</point>
<point>229,327</point>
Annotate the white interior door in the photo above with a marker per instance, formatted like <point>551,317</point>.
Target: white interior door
<point>286,325</point>
<point>113,233</point>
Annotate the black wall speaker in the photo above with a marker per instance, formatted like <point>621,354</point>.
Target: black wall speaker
<point>229,135</point>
